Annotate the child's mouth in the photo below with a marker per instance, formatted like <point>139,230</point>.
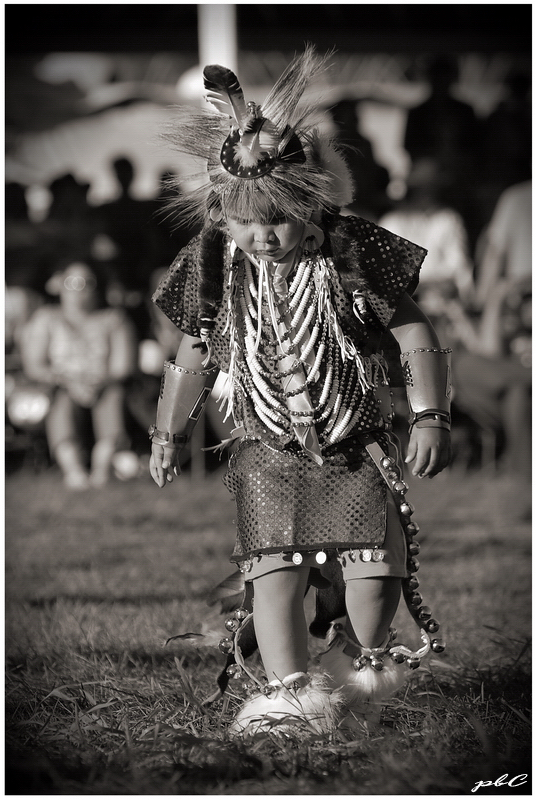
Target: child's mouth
<point>267,252</point>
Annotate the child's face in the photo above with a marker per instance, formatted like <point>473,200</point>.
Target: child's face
<point>270,241</point>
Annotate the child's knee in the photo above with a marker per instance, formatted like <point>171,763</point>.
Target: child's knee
<point>379,587</point>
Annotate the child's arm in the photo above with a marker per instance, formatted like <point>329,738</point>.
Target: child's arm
<point>429,447</point>
<point>186,386</point>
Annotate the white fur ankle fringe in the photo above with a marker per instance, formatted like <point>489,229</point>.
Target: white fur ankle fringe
<point>366,685</point>
<point>301,703</point>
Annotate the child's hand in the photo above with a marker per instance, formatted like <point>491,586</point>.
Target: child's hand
<point>163,463</point>
<point>429,449</point>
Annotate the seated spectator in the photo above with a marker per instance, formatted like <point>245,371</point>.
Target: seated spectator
<point>492,370</point>
<point>425,218</point>
<point>85,351</point>
<point>507,242</point>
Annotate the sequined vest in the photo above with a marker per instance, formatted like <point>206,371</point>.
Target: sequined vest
<point>366,271</point>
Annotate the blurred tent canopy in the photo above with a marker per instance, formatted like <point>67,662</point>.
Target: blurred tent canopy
<point>111,74</point>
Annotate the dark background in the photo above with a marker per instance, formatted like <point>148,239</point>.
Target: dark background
<point>364,28</point>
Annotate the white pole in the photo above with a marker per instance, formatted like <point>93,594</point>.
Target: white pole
<point>217,43</point>
<point>217,34</point>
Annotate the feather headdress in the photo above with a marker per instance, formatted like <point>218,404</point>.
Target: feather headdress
<point>259,158</point>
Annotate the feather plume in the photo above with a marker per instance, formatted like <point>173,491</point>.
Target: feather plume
<point>231,592</point>
<point>259,139</point>
<point>332,162</point>
<point>320,183</point>
<point>282,101</point>
<point>248,155</point>
<point>225,93</point>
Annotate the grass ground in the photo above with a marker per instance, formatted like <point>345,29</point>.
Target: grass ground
<point>97,704</point>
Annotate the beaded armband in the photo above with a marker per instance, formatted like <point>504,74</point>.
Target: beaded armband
<point>183,396</point>
<point>428,386</point>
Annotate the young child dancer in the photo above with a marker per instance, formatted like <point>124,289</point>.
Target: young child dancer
<point>303,309</point>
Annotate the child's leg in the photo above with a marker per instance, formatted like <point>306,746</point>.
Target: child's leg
<point>281,629</point>
<point>371,605</point>
<point>372,590</point>
<point>365,676</point>
<point>280,624</point>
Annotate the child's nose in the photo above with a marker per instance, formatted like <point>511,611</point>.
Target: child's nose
<point>264,234</point>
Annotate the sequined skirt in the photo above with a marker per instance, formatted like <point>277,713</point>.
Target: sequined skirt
<point>287,502</point>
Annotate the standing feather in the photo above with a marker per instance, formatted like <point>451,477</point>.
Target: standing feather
<point>273,154</point>
<point>283,99</point>
<point>225,93</point>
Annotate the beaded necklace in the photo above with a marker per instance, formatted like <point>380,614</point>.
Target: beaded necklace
<point>314,338</point>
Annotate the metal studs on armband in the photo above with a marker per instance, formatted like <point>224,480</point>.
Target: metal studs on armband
<point>183,395</point>
<point>427,375</point>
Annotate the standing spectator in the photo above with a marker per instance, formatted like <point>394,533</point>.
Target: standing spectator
<point>85,351</point>
<point>23,251</point>
<point>507,145</point>
<point>169,234</point>
<point>70,225</point>
<point>423,217</point>
<point>128,225</point>
<point>370,179</point>
<point>446,129</point>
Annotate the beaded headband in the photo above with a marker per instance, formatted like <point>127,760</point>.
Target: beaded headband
<point>259,157</point>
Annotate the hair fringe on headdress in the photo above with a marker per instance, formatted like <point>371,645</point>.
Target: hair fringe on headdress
<point>321,181</point>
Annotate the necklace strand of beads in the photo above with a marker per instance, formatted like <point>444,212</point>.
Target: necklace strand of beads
<point>346,373</point>
<point>251,313</point>
<point>276,422</point>
<point>331,388</point>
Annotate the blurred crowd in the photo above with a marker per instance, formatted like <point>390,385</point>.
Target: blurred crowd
<point>85,346</point>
